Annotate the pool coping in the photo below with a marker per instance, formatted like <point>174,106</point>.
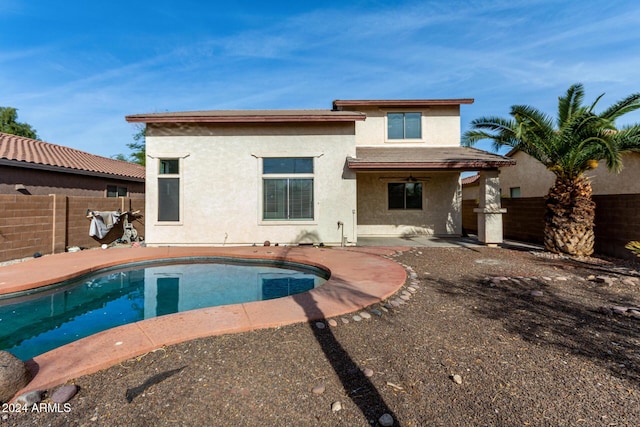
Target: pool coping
<point>358,280</point>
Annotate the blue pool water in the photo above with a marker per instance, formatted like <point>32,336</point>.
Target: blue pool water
<point>47,319</point>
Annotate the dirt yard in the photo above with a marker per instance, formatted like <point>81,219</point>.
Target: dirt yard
<point>480,337</point>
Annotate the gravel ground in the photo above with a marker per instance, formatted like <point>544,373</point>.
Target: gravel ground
<point>558,357</point>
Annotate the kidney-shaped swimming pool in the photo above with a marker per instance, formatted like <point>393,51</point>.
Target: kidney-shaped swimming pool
<point>31,324</point>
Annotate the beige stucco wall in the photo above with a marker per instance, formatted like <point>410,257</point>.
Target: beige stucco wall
<point>441,215</point>
<point>471,191</point>
<point>221,183</point>
<point>534,179</point>
<point>440,126</point>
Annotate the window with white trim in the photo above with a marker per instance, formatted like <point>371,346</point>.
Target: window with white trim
<point>287,187</point>
<point>169,190</point>
<point>404,125</point>
<point>405,195</point>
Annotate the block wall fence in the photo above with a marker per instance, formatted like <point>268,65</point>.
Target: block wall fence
<point>617,221</point>
<point>51,224</point>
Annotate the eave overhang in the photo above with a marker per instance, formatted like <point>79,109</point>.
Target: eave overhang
<point>249,116</point>
<point>425,158</point>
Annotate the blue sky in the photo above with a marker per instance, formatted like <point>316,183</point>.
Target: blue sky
<point>75,69</point>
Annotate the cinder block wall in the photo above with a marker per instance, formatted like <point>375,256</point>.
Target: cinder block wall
<point>78,223</point>
<point>51,224</point>
<point>26,224</point>
<point>524,219</point>
<point>617,221</point>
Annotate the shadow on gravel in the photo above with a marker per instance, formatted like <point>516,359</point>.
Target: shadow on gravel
<point>356,385</point>
<point>556,321</point>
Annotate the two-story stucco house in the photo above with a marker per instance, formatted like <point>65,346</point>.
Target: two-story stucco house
<point>363,168</point>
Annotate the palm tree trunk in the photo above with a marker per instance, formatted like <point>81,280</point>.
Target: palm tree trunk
<point>569,218</point>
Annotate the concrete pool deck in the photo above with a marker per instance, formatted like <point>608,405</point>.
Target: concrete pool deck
<point>359,278</point>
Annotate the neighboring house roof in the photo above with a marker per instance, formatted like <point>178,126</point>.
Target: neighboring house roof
<point>469,180</point>
<point>399,102</point>
<point>460,158</point>
<point>248,116</point>
<point>24,152</point>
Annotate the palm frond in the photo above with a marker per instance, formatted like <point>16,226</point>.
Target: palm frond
<point>628,138</point>
<point>622,107</point>
<point>570,103</point>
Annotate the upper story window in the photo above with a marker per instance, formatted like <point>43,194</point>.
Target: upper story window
<point>404,125</point>
<point>287,188</point>
<point>169,190</point>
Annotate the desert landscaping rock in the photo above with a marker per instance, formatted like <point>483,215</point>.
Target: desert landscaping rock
<point>457,379</point>
<point>386,420</point>
<point>320,325</point>
<point>332,322</point>
<point>537,293</point>
<point>356,318</point>
<point>64,393</point>
<point>336,406</point>
<point>29,398</point>
<point>365,315</point>
<point>344,320</point>
<point>13,375</point>
<point>368,372</point>
<point>319,389</point>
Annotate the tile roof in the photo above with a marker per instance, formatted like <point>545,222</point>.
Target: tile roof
<point>43,155</point>
<point>454,157</point>
<point>248,116</point>
<point>470,179</point>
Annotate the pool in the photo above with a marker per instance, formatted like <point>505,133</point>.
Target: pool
<point>36,322</point>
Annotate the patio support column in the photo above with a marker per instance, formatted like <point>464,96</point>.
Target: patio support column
<point>489,209</point>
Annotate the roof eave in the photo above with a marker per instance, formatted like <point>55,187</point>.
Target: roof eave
<point>400,102</point>
<point>246,119</point>
<point>461,165</point>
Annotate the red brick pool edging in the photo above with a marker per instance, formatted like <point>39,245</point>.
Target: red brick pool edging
<point>357,280</point>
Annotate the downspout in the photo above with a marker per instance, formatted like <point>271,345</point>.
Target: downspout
<point>341,227</point>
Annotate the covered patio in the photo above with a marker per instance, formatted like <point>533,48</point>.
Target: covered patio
<point>432,199</point>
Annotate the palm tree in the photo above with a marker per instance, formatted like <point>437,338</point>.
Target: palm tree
<point>568,146</point>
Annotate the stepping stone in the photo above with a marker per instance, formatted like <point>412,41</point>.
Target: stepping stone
<point>332,322</point>
<point>320,325</point>
<point>357,318</point>
<point>365,315</point>
<point>344,320</point>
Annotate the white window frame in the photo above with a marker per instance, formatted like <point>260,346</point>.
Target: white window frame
<point>180,178</point>
<point>263,177</point>
<point>403,140</point>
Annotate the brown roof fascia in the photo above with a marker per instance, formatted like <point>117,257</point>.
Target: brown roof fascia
<point>400,102</point>
<point>456,165</point>
<point>247,117</point>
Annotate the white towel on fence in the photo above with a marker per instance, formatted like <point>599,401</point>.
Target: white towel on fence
<point>102,222</point>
